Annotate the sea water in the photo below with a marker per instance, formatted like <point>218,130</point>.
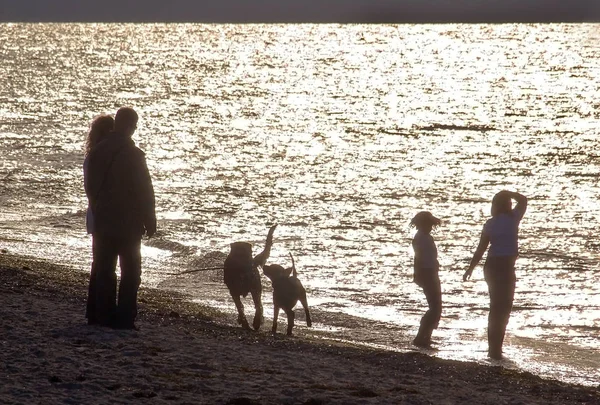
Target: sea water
<point>339,134</point>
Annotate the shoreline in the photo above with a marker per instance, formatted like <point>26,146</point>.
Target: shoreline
<point>185,353</point>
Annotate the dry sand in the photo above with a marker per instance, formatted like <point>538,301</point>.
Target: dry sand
<point>183,354</point>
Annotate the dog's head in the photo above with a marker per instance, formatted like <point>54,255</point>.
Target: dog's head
<point>276,272</point>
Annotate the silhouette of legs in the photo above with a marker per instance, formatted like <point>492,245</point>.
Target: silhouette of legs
<point>500,276</point>
<point>102,300</point>
<point>105,255</point>
<point>90,311</point>
<point>433,292</point>
<point>130,260</point>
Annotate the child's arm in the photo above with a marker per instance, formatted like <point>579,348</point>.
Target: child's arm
<point>483,244</point>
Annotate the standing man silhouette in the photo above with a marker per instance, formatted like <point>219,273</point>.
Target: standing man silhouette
<point>121,197</point>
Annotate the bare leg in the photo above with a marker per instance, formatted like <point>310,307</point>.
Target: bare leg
<point>429,322</point>
<point>501,299</point>
<point>500,277</point>
<point>275,316</point>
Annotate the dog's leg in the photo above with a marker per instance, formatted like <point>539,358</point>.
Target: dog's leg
<point>290,316</point>
<point>258,314</point>
<point>240,308</point>
<point>275,316</point>
<point>304,303</point>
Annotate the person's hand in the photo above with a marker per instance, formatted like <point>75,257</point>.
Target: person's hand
<point>467,274</point>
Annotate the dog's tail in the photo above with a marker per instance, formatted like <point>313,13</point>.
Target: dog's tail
<point>261,258</point>
<point>293,267</point>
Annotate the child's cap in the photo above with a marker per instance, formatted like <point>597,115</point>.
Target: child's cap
<point>424,218</point>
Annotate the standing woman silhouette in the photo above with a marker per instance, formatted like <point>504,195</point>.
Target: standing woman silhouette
<point>100,127</point>
<point>501,233</point>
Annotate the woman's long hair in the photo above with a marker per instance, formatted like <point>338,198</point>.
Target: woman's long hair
<point>100,127</point>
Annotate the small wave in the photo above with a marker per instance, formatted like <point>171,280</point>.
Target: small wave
<point>12,135</point>
<point>576,174</point>
<point>397,131</point>
<point>585,328</point>
<point>299,223</point>
<point>515,114</point>
<point>528,307</point>
<point>69,220</point>
<point>166,244</point>
<point>344,227</point>
<point>349,289</point>
<point>210,259</point>
<point>452,127</point>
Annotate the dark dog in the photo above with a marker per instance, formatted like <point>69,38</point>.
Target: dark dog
<point>286,293</point>
<point>242,277</point>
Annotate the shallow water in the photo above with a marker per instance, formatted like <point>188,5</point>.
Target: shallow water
<point>339,134</point>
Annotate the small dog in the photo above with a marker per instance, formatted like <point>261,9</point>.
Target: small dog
<point>242,277</point>
<point>286,293</point>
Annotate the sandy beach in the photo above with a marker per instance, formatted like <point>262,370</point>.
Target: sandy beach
<point>186,354</point>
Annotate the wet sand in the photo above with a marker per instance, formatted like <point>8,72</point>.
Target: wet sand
<point>185,353</point>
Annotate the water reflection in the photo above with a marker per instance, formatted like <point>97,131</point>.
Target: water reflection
<point>340,134</point>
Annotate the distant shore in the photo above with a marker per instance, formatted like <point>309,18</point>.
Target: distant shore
<point>183,354</point>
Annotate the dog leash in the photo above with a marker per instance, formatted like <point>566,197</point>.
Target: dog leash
<point>196,270</point>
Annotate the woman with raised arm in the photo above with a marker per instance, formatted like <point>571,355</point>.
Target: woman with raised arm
<point>501,233</point>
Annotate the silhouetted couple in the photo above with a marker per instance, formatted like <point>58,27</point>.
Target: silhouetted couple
<point>121,210</point>
<point>500,233</point>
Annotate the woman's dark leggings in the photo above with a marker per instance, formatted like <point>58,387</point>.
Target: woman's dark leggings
<point>500,276</point>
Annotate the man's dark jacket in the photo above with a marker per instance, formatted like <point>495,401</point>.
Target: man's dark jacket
<point>119,188</point>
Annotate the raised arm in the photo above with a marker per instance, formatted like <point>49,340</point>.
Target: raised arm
<point>484,241</point>
<point>521,200</point>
